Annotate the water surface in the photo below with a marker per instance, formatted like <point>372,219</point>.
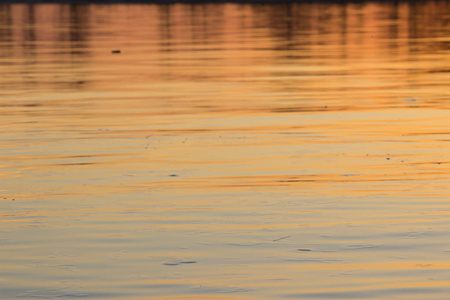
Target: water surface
<point>229,151</point>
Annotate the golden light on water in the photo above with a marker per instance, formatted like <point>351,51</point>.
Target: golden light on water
<point>224,151</point>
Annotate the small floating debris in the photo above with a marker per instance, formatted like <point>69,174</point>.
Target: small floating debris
<point>116,51</point>
<point>304,249</point>
<point>173,175</point>
<point>176,262</point>
<point>411,100</point>
<point>281,238</point>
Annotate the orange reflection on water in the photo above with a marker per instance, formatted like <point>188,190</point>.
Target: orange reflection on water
<point>264,151</point>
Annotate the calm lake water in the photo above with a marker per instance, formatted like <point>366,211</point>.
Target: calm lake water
<point>229,151</point>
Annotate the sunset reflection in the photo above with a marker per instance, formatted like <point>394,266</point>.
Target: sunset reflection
<point>224,150</point>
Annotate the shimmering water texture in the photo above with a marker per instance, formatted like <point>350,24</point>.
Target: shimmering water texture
<point>225,151</point>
